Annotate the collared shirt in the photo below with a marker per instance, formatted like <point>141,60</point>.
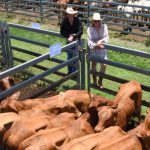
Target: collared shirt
<point>94,36</point>
<point>76,28</point>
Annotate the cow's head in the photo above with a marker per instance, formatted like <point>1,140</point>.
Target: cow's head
<point>99,101</point>
<point>107,117</point>
<point>144,130</point>
<point>6,83</point>
<point>9,104</point>
<point>64,105</point>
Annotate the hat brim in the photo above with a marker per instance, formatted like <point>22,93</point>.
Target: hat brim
<point>97,19</point>
<point>72,12</point>
<point>91,19</point>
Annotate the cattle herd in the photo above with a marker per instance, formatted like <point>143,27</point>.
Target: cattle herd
<point>129,12</point>
<point>74,120</point>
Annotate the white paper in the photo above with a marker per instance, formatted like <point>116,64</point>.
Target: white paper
<point>35,25</point>
<point>55,50</point>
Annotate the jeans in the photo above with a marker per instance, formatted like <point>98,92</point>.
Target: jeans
<point>69,56</point>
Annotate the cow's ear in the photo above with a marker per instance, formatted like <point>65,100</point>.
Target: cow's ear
<point>99,108</point>
<point>115,111</point>
<point>11,81</point>
<point>16,95</point>
<point>114,106</point>
<point>92,96</point>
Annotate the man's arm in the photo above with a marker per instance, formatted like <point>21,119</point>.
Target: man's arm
<point>80,30</point>
<point>63,29</point>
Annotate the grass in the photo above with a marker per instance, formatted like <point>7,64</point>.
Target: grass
<point>115,39</point>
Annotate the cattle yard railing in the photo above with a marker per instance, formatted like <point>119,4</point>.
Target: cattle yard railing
<point>113,78</point>
<point>36,58</point>
<point>52,68</point>
<point>5,48</point>
<point>136,21</point>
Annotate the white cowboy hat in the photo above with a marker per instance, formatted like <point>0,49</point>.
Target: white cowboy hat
<point>70,10</point>
<point>97,16</point>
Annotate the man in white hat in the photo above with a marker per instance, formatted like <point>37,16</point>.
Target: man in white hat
<point>71,28</point>
<point>97,35</point>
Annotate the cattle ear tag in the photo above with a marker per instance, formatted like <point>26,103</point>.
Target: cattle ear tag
<point>61,98</point>
<point>61,95</point>
<point>92,96</point>
<point>148,110</point>
<point>148,133</point>
<point>115,119</point>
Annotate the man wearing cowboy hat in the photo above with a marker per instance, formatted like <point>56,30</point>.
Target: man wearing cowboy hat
<point>71,28</point>
<point>97,35</point>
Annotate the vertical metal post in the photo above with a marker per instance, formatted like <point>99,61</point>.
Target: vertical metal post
<point>77,63</point>
<point>9,48</point>
<point>88,9</point>
<point>6,5</point>
<point>41,10</point>
<point>88,69</point>
<point>7,60</point>
<point>82,64</point>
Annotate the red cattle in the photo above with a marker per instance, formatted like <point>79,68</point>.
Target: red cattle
<point>50,139</point>
<point>99,101</point>
<point>143,132</point>
<point>126,104</point>
<point>7,118</point>
<point>78,98</point>
<point>6,83</point>
<point>126,142</point>
<point>8,104</point>
<point>24,128</point>
<point>112,138</point>
<point>70,101</point>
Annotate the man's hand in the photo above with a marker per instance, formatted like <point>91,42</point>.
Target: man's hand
<point>70,39</point>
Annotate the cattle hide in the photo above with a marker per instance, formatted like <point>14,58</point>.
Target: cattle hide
<point>6,120</point>
<point>79,99</point>
<point>126,142</point>
<point>127,103</point>
<point>91,142</point>
<point>24,128</point>
<point>50,139</point>
<point>143,132</point>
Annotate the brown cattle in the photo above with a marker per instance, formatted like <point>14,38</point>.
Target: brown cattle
<point>11,104</point>
<point>93,141</point>
<point>143,132</point>
<point>99,101</point>
<point>50,139</point>
<point>126,104</point>
<point>78,98</point>
<point>7,118</point>
<point>72,101</point>
<point>61,5</point>
<point>8,104</point>
<point>24,128</point>
<point>126,142</point>
<point>6,83</point>
<point>55,106</point>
